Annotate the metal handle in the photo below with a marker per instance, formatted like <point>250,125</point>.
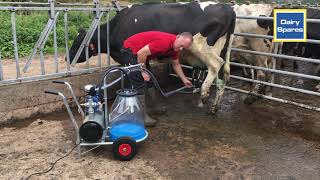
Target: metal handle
<point>58,81</point>
<point>55,92</point>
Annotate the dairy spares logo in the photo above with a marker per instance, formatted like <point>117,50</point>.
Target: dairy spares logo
<point>290,25</point>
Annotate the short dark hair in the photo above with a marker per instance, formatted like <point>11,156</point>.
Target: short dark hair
<point>186,35</point>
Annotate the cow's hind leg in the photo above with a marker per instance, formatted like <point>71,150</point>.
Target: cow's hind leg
<point>220,83</point>
<point>220,86</point>
<point>209,55</point>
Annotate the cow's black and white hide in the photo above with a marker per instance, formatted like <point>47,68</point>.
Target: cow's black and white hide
<point>247,43</point>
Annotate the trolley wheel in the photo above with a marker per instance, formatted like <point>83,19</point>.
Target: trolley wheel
<point>124,148</point>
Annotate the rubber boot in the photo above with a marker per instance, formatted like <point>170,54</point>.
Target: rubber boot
<point>148,121</point>
<point>152,102</point>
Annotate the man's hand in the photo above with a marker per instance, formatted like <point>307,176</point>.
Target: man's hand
<point>177,68</point>
<point>187,83</point>
<point>145,76</point>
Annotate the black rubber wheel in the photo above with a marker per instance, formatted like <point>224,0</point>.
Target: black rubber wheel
<point>124,148</point>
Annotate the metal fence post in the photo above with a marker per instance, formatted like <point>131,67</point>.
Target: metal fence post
<point>55,47</point>
<point>97,5</point>
<point>51,26</point>
<point>67,39</point>
<point>108,38</point>
<point>274,60</point>
<point>14,35</point>
<point>1,70</point>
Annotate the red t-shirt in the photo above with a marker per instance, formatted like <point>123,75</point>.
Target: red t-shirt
<point>160,44</point>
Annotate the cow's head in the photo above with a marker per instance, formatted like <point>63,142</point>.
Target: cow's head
<point>266,24</point>
<point>76,45</point>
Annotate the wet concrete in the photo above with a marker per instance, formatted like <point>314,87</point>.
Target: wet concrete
<point>237,143</point>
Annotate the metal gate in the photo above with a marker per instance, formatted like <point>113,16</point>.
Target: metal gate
<point>273,70</point>
<point>55,10</point>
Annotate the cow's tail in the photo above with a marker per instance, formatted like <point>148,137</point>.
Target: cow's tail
<point>230,36</point>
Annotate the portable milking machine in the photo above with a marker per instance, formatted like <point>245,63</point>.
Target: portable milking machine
<point>122,126</point>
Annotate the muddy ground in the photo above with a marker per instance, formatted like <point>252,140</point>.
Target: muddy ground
<point>240,142</point>
<point>264,140</point>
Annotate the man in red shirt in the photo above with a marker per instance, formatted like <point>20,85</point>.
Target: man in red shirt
<point>145,46</point>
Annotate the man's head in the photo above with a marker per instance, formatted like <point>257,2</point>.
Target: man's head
<point>183,41</point>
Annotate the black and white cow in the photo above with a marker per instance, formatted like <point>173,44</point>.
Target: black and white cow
<point>212,26</point>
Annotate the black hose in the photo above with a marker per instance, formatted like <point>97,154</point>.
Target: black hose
<point>154,80</point>
<point>157,86</point>
<point>116,68</point>
<point>52,166</point>
<point>111,69</point>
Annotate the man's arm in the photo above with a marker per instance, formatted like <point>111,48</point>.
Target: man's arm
<point>178,69</point>
<point>143,53</point>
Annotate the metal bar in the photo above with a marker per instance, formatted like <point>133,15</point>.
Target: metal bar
<point>277,55</point>
<point>271,18</point>
<point>73,4</point>
<point>313,41</point>
<point>275,99</point>
<point>110,84</point>
<point>1,69</point>
<point>42,40</point>
<point>67,39</point>
<point>28,3</point>
<point>274,60</point>
<point>43,71</point>
<point>116,5</point>
<point>42,44</point>
<point>51,4</point>
<point>96,144</point>
<point>105,97</point>
<point>255,17</point>
<point>108,39</point>
<point>87,57</point>
<point>97,5</point>
<point>14,36</point>
<point>56,63</point>
<point>71,117</point>
<point>37,45</point>
<point>11,8</point>
<point>82,45</point>
<point>75,99</point>
<point>52,15</point>
<point>277,71</point>
<point>87,38</point>
<point>254,35</point>
<point>83,9</point>
<point>276,85</point>
<point>99,46</point>
<point>53,75</point>
<point>108,143</point>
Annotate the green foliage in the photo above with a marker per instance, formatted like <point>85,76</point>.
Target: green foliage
<point>30,25</point>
